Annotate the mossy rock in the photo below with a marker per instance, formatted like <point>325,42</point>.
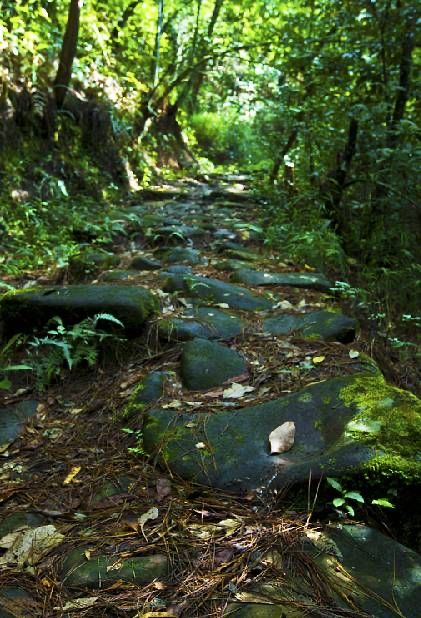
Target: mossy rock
<point>243,254</point>
<point>327,325</point>
<point>230,265</point>
<point>183,255</point>
<point>89,263</point>
<point>103,570</point>
<point>350,425</point>
<point>142,262</point>
<point>216,291</point>
<point>17,603</point>
<point>205,364</point>
<point>113,487</point>
<point>203,322</point>
<point>149,390</point>
<point>314,281</point>
<point>12,421</point>
<point>29,309</point>
<point>19,520</point>
<point>372,571</point>
<point>118,275</point>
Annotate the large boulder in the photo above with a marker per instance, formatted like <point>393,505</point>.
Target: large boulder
<point>216,291</point>
<point>315,281</point>
<point>205,364</point>
<point>25,310</point>
<point>328,325</point>
<point>345,425</point>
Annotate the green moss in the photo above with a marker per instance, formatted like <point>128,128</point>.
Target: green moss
<point>305,398</point>
<point>389,419</point>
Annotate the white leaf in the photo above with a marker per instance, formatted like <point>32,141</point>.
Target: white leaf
<point>282,438</point>
<point>31,545</point>
<point>354,354</point>
<point>81,603</point>
<point>152,513</point>
<point>236,390</point>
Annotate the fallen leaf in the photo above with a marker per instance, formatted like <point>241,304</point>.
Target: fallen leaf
<point>282,438</point>
<point>163,488</point>
<point>31,545</point>
<point>318,359</point>
<point>73,472</point>
<point>152,513</point>
<point>130,520</point>
<point>236,390</point>
<point>354,354</point>
<point>200,445</point>
<point>223,555</point>
<point>81,603</point>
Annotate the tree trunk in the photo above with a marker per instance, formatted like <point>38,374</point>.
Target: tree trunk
<point>402,91</point>
<point>67,53</point>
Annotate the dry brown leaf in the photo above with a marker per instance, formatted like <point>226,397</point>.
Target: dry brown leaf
<point>282,438</point>
<point>163,488</point>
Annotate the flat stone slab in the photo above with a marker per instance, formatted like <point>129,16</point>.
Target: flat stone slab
<point>383,574</point>
<point>184,255</point>
<point>204,322</point>
<point>26,310</point>
<point>327,325</point>
<point>12,421</point>
<point>243,254</point>
<point>142,262</point>
<point>103,570</point>
<point>356,423</point>
<point>216,291</point>
<point>205,364</point>
<point>315,281</point>
<point>230,265</point>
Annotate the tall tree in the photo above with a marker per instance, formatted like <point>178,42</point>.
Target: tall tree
<point>67,53</point>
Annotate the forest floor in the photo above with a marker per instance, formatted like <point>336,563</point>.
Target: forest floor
<point>94,525</point>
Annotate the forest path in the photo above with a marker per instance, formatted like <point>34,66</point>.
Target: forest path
<point>149,486</point>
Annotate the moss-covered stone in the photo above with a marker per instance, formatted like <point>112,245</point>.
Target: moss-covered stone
<point>28,309</point>
<point>112,487</point>
<point>149,390</point>
<point>142,262</point>
<point>183,255</point>
<point>327,325</point>
<point>237,455</point>
<point>12,421</point>
<point>103,570</point>
<point>372,571</point>
<point>205,364</point>
<point>18,520</point>
<point>17,603</point>
<point>230,265</point>
<point>217,291</point>
<point>89,263</point>
<point>315,281</point>
<point>243,254</point>
<point>204,322</point>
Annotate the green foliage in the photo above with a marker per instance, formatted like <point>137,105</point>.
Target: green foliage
<point>223,136</point>
<point>342,501</point>
<point>300,233</point>
<point>6,366</point>
<point>138,449</point>
<point>71,346</point>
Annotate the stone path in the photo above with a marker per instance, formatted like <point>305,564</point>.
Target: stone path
<point>151,488</point>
